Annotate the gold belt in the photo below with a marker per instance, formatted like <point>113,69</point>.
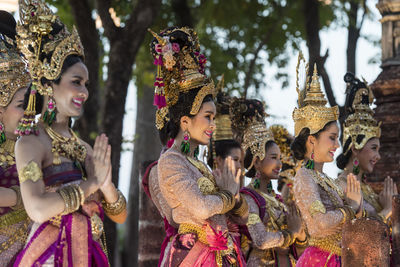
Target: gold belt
<point>12,217</point>
<point>187,228</point>
<point>329,243</point>
<point>95,222</point>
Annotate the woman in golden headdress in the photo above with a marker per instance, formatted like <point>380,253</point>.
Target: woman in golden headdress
<point>66,185</point>
<point>200,201</point>
<point>323,205</point>
<point>289,164</point>
<point>14,81</point>
<point>361,146</point>
<point>272,227</point>
<point>223,144</point>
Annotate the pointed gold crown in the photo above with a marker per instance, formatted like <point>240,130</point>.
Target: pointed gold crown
<point>361,120</point>
<point>223,130</point>
<point>180,68</point>
<point>312,112</point>
<point>13,72</point>
<point>45,42</point>
<point>248,122</point>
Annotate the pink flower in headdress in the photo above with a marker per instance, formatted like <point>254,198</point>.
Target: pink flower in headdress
<point>216,239</point>
<point>175,47</point>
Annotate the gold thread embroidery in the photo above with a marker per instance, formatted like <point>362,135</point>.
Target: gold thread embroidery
<point>317,207</point>
<point>206,186</point>
<point>31,172</point>
<point>253,219</point>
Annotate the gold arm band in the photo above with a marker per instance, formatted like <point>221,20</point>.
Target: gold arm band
<point>30,172</point>
<point>227,199</point>
<point>241,207</point>
<point>253,218</point>
<point>19,204</point>
<point>117,207</point>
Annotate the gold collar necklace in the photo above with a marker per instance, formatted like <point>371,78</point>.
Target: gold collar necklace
<point>68,147</point>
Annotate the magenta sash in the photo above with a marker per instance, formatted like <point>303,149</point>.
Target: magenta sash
<point>71,244</point>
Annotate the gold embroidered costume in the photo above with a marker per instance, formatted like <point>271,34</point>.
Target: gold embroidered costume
<point>14,222</point>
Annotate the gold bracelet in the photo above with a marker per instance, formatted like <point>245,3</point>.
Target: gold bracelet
<point>303,243</point>
<point>253,218</point>
<point>81,194</point>
<point>227,199</point>
<point>19,204</point>
<point>117,207</point>
<point>241,208</point>
<point>344,215</point>
<point>30,172</point>
<point>66,199</point>
<point>288,238</point>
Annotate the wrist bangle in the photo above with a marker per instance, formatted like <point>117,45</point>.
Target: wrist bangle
<point>117,207</point>
<point>241,207</point>
<point>288,238</point>
<point>73,197</point>
<point>303,243</point>
<point>227,199</point>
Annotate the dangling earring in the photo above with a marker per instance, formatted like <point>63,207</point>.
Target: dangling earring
<point>2,134</point>
<point>256,182</point>
<point>185,145</point>
<point>356,167</point>
<point>49,115</point>
<point>310,162</point>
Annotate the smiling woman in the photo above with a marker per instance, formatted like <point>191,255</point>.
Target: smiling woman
<point>323,205</point>
<point>66,185</point>
<point>199,200</point>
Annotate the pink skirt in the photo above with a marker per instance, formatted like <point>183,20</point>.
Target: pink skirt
<point>315,257</point>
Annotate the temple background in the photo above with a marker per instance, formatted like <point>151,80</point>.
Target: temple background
<point>257,52</point>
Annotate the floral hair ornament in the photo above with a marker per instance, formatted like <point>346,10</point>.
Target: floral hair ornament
<point>312,112</point>
<point>360,120</point>
<point>46,43</point>
<point>180,68</point>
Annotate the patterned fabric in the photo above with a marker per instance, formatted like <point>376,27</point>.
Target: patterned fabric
<point>321,223</point>
<point>315,257</point>
<point>67,241</point>
<point>265,243</point>
<point>178,182</point>
<point>12,237</point>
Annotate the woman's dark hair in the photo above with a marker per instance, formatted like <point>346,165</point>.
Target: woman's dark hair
<point>248,158</point>
<point>298,146</point>
<point>177,111</point>
<point>354,85</point>
<point>222,149</point>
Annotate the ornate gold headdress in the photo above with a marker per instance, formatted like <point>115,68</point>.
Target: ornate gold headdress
<point>180,68</point>
<point>223,121</point>
<point>13,72</point>
<point>312,112</point>
<point>46,43</point>
<point>361,120</point>
<point>250,127</point>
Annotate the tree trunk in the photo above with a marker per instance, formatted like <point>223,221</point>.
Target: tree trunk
<point>352,37</point>
<point>87,125</point>
<point>146,147</point>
